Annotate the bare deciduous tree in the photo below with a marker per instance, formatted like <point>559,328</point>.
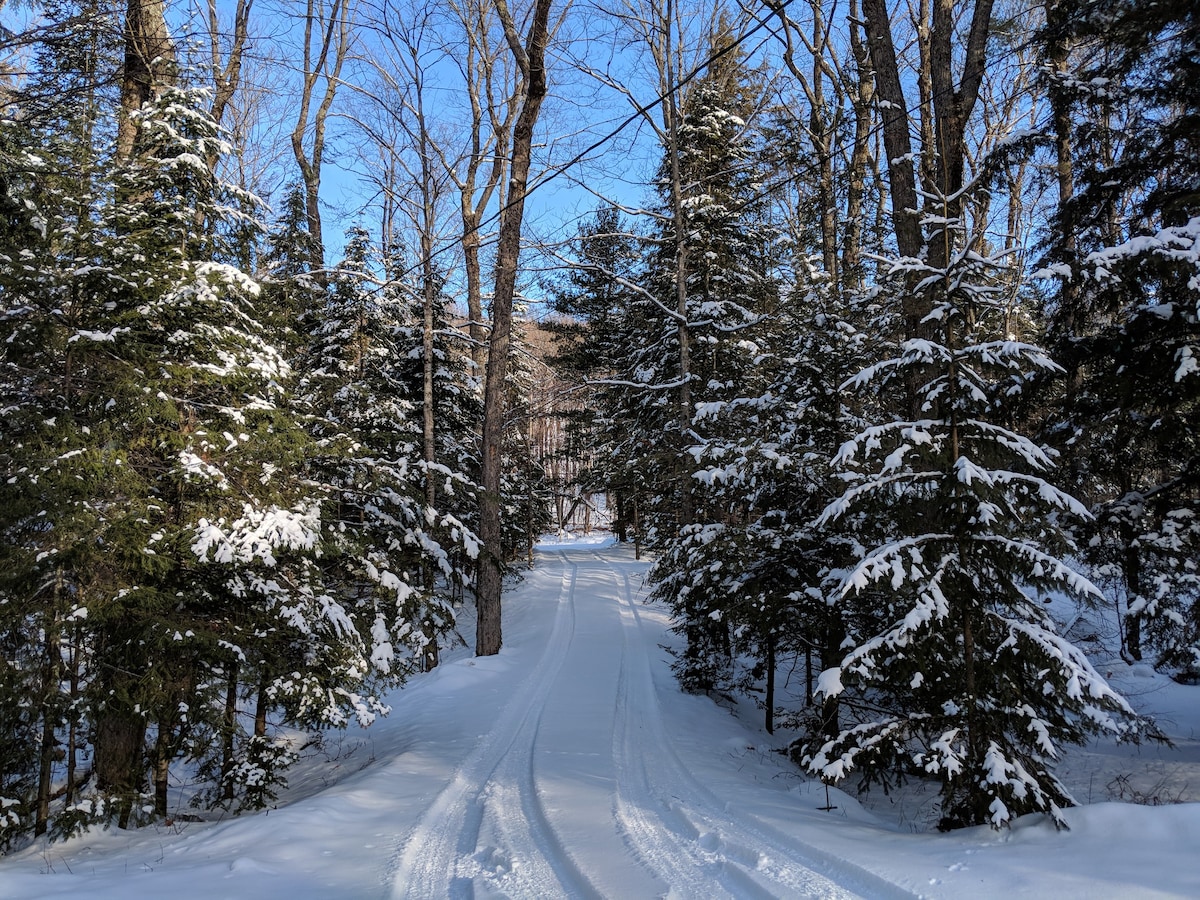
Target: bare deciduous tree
<point>530,57</point>
<point>328,35</point>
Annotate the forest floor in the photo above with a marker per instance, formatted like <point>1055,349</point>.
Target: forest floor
<point>570,765</point>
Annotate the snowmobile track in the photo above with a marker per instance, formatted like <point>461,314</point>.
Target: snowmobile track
<point>486,832</point>
<point>492,831</point>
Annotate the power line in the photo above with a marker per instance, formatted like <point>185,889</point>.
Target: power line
<point>639,112</point>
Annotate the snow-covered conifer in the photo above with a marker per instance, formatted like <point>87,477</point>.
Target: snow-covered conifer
<point>965,678</point>
<point>1125,254</point>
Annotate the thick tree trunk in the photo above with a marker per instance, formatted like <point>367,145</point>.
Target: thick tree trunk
<point>119,748</point>
<point>475,326</point>
<point>149,61</point>
<point>952,106</point>
<point>531,59</point>
<point>896,141</point>
<point>162,769</point>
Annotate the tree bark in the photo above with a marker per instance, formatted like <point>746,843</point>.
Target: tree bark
<point>952,106</point>
<point>531,61</point>
<point>896,141</point>
<point>51,676</point>
<point>119,750</point>
<point>864,96</point>
<point>226,75</point>
<point>481,72</point>
<point>229,733</point>
<point>149,60</point>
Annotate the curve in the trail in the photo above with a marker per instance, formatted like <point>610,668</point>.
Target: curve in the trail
<point>486,832</point>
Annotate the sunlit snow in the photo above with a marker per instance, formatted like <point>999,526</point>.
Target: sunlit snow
<point>570,765</point>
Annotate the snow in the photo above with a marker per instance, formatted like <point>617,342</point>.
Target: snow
<point>571,765</point>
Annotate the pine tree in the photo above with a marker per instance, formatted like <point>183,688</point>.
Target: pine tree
<point>764,568</point>
<point>291,292</point>
<point>55,496</point>
<point>970,680</point>
<point>732,257</point>
<point>395,555</point>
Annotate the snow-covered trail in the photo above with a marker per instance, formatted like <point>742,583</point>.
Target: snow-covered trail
<point>570,765</point>
<point>578,789</point>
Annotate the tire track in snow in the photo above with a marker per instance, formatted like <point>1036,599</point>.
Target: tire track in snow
<point>681,830</point>
<point>493,794</point>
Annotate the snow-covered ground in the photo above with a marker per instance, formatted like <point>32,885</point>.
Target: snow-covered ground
<point>571,766</point>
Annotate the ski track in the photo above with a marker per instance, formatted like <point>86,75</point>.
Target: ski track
<point>698,842</point>
<point>487,834</point>
<point>493,795</point>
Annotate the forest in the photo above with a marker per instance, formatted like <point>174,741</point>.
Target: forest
<point>876,325</point>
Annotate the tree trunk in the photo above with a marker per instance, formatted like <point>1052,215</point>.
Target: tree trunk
<point>952,106</point>
<point>770,698</point>
<point>226,75</point>
<point>896,141</point>
<point>162,769</point>
<point>49,743</point>
<point>637,529</point>
<point>332,28</point>
<point>73,718</point>
<point>230,726</point>
<point>531,59</point>
<point>119,743</point>
<point>149,60</point>
<point>852,275</point>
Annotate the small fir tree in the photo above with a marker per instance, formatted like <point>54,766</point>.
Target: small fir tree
<point>972,683</point>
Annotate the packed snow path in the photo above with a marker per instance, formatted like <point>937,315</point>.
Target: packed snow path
<point>579,790</point>
<point>570,765</point>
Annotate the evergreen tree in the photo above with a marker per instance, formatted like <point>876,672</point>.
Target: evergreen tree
<point>732,258</point>
<point>55,495</point>
<point>679,359</point>
<point>291,292</point>
<point>969,679</point>
<point>1127,322</point>
<point>763,568</point>
<point>390,547</point>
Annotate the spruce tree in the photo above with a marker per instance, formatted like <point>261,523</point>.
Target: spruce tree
<point>964,677</point>
<point>732,262</point>
<point>394,557</point>
<point>763,567</point>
